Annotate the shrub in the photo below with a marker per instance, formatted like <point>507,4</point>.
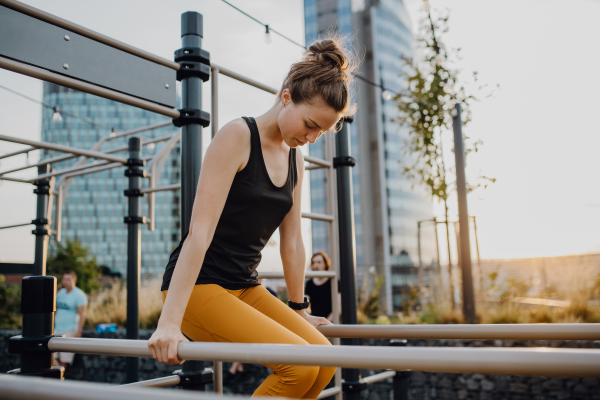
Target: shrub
<point>10,305</point>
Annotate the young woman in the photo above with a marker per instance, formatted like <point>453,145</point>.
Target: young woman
<point>250,185</point>
<point>318,290</point>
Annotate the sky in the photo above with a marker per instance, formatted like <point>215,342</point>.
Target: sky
<point>539,133</point>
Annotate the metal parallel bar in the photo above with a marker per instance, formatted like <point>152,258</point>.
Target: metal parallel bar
<point>477,332</point>
<point>92,170</point>
<point>520,361</point>
<point>379,377</point>
<point>6,178</point>
<point>72,169</point>
<point>54,20</point>
<point>214,101</point>
<point>329,392</point>
<point>66,149</point>
<point>15,387</point>
<point>48,76</point>
<point>175,186</point>
<point>16,268</point>
<point>311,167</point>
<point>318,217</point>
<point>307,274</point>
<point>242,78</point>
<point>14,153</point>
<point>318,161</point>
<point>14,226</point>
<point>158,382</point>
<point>145,143</point>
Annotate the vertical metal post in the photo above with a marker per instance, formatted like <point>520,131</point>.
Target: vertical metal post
<point>214,101</point>
<point>437,252</point>
<point>191,139</point>
<point>420,258</point>
<point>41,222</point>
<point>134,258</point>
<point>481,288</point>
<point>401,377</point>
<point>463,219</point>
<point>343,162</point>
<point>38,304</point>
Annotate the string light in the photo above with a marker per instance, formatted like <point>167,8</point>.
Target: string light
<point>268,38</point>
<point>56,117</point>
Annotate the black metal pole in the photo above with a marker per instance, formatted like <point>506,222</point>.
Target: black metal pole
<point>401,378</point>
<point>463,219</point>
<point>41,222</point>
<point>191,140</point>
<point>38,304</point>
<point>343,163</point>
<point>134,238</point>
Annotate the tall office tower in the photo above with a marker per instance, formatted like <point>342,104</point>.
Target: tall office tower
<point>95,204</point>
<point>387,207</point>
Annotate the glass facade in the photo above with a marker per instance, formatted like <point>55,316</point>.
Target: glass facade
<point>313,10</point>
<point>95,205</point>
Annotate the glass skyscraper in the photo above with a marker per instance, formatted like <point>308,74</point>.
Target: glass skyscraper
<point>387,207</point>
<point>95,205</point>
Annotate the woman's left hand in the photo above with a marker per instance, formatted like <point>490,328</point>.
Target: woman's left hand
<point>313,320</point>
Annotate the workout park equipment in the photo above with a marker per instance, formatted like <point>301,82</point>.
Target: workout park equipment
<point>47,53</point>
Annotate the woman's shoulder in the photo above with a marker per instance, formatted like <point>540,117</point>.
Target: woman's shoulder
<point>236,129</point>
<point>232,142</point>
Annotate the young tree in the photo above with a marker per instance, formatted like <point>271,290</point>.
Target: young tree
<point>73,256</point>
<point>425,109</point>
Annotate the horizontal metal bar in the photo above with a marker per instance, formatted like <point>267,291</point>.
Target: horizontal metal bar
<point>19,387</point>
<point>520,361</point>
<point>93,170</point>
<point>311,167</point>
<point>175,186</point>
<point>72,169</point>
<point>307,274</point>
<point>16,268</point>
<point>477,332</point>
<point>14,153</point>
<point>48,76</point>
<point>158,382</point>
<point>6,178</point>
<point>379,377</point>
<point>14,226</point>
<point>119,135</point>
<point>242,78</point>
<point>54,20</point>
<point>318,161</point>
<point>329,392</point>
<point>318,217</point>
<point>66,149</point>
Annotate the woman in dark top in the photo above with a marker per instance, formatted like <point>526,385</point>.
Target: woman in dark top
<point>318,290</point>
<point>250,184</point>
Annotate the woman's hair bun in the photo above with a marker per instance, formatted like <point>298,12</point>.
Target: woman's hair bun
<point>328,52</point>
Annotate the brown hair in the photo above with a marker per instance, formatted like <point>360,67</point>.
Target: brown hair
<point>327,71</point>
<point>325,258</point>
<point>70,272</point>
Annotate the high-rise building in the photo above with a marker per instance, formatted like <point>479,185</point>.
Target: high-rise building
<point>95,205</point>
<point>387,207</point>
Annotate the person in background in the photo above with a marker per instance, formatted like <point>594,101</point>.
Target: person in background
<point>318,290</point>
<point>71,305</point>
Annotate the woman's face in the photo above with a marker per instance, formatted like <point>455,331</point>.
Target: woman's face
<point>318,263</point>
<point>304,123</point>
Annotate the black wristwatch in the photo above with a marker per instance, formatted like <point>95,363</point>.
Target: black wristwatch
<point>298,306</point>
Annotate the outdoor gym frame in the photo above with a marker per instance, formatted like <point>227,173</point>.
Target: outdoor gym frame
<point>65,59</point>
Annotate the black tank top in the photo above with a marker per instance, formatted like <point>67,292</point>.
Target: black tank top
<point>254,208</point>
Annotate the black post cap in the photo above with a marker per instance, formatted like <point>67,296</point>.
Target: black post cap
<point>135,144</point>
<point>192,24</point>
<point>38,294</point>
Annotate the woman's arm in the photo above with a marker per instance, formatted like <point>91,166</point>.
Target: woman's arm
<point>292,249</point>
<point>227,154</point>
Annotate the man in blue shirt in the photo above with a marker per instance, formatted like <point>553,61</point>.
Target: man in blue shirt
<point>71,305</point>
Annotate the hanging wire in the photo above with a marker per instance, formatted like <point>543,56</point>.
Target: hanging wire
<point>57,116</point>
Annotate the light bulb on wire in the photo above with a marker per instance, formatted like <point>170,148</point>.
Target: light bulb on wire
<point>386,94</point>
<point>268,38</point>
<point>56,116</point>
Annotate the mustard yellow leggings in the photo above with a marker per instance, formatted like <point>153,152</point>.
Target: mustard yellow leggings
<point>254,315</point>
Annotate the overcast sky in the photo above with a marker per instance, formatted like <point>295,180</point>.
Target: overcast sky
<point>539,132</point>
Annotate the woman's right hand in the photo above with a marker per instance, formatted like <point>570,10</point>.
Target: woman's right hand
<point>163,343</point>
